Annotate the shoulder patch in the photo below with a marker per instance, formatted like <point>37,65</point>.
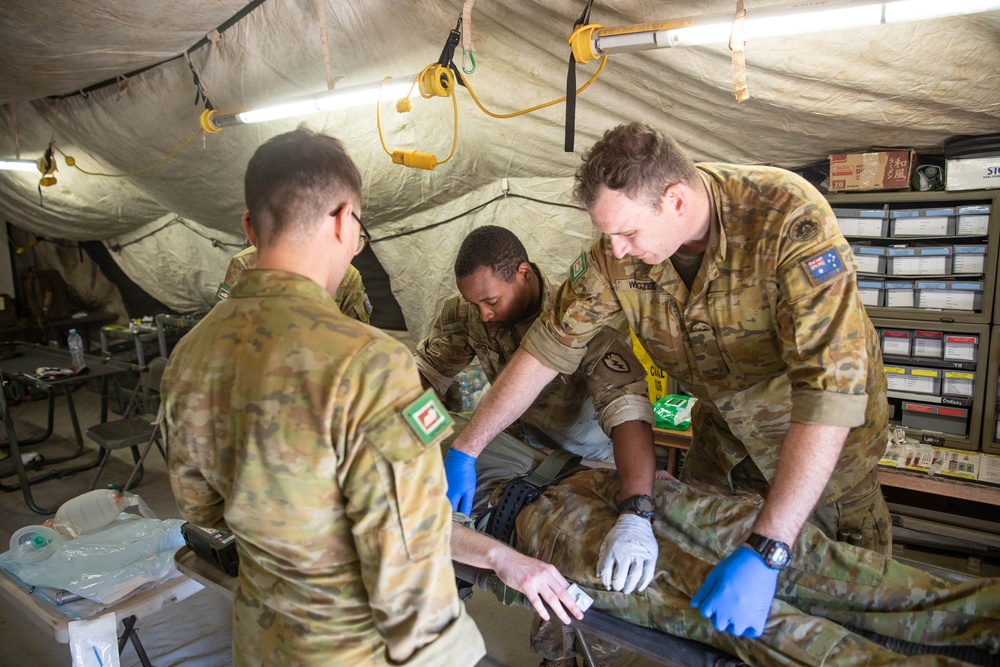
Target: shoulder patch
<point>368,305</point>
<point>805,229</point>
<point>449,312</point>
<point>824,266</point>
<point>578,268</point>
<point>426,417</point>
<point>222,293</point>
<point>616,362</point>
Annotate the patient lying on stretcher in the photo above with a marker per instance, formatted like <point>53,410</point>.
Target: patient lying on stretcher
<point>828,584</point>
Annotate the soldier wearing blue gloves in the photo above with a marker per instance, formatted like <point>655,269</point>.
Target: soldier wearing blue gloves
<point>740,285</point>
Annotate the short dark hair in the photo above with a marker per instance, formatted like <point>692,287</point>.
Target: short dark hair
<point>491,246</point>
<point>635,159</point>
<point>297,176</point>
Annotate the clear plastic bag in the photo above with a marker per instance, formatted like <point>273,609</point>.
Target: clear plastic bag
<point>108,563</point>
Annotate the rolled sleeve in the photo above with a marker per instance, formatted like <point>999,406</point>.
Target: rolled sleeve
<point>828,408</point>
<point>617,380</point>
<point>823,327</point>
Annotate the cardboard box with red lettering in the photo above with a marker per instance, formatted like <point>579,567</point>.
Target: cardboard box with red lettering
<point>878,170</point>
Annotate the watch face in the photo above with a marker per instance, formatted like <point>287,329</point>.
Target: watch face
<point>779,557</point>
<point>645,504</point>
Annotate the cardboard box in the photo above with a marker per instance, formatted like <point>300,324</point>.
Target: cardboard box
<point>967,173</point>
<point>881,170</point>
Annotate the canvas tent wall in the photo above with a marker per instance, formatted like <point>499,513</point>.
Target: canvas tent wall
<point>172,229</point>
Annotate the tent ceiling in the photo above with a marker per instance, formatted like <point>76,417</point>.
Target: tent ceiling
<point>52,47</point>
<point>914,84</point>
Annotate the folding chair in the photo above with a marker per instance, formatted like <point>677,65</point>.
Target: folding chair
<point>131,430</point>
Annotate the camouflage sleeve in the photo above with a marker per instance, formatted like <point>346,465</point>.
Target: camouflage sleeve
<point>616,380</point>
<point>197,500</point>
<point>584,304</point>
<point>394,484</point>
<point>445,352</point>
<point>821,321</point>
<point>352,298</point>
<point>240,262</point>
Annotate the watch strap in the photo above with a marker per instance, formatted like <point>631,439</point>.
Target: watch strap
<point>631,504</point>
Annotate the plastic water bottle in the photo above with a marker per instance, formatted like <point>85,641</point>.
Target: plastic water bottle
<point>465,393</point>
<point>76,350</point>
<point>478,388</point>
<point>34,543</point>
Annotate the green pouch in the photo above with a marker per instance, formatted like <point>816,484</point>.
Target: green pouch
<point>673,412</point>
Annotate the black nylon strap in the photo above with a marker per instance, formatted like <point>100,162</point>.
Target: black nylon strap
<point>571,85</point>
<point>524,490</point>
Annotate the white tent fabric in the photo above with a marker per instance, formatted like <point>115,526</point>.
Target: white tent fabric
<point>912,84</point>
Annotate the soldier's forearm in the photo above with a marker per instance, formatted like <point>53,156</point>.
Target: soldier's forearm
<point>634,458</point>
<point>808,457</point>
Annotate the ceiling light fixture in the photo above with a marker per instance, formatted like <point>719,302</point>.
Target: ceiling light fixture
<point>19,165</point>
<point>330,100</point>
<point>593,41</point>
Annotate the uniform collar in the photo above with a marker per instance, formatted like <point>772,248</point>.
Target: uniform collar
<point>544,288</point>
<point>274,282</point>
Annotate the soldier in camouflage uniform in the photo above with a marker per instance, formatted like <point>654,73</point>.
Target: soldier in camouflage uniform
<point>501,294</point>
<point>309,436</point>
<point>740,285</point>
<point>350,296</point>
<point>827,584</point>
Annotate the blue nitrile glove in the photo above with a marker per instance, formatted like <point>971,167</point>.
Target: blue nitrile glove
<point>460,471</point>
<point>737,594</point>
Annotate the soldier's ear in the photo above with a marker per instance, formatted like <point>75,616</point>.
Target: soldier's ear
<point>675,199</point>
<point>524,270</point>
<point>247,229</point>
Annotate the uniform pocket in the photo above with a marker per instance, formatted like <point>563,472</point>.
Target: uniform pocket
<point>745,332</point>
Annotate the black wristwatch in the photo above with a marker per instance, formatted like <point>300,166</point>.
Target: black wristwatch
<point>642,505</point>
<point>777,555</point>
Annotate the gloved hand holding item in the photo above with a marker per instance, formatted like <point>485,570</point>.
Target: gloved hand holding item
<point>737,594</point>
<point>460,471</point>
<point>627,559</point>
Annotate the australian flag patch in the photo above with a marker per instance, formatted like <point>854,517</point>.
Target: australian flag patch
<point>825,266</point>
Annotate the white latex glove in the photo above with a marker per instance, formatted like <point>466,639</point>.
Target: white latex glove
<point>628,555</point>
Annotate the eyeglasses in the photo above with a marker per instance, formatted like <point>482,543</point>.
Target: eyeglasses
<point>364,238</point>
